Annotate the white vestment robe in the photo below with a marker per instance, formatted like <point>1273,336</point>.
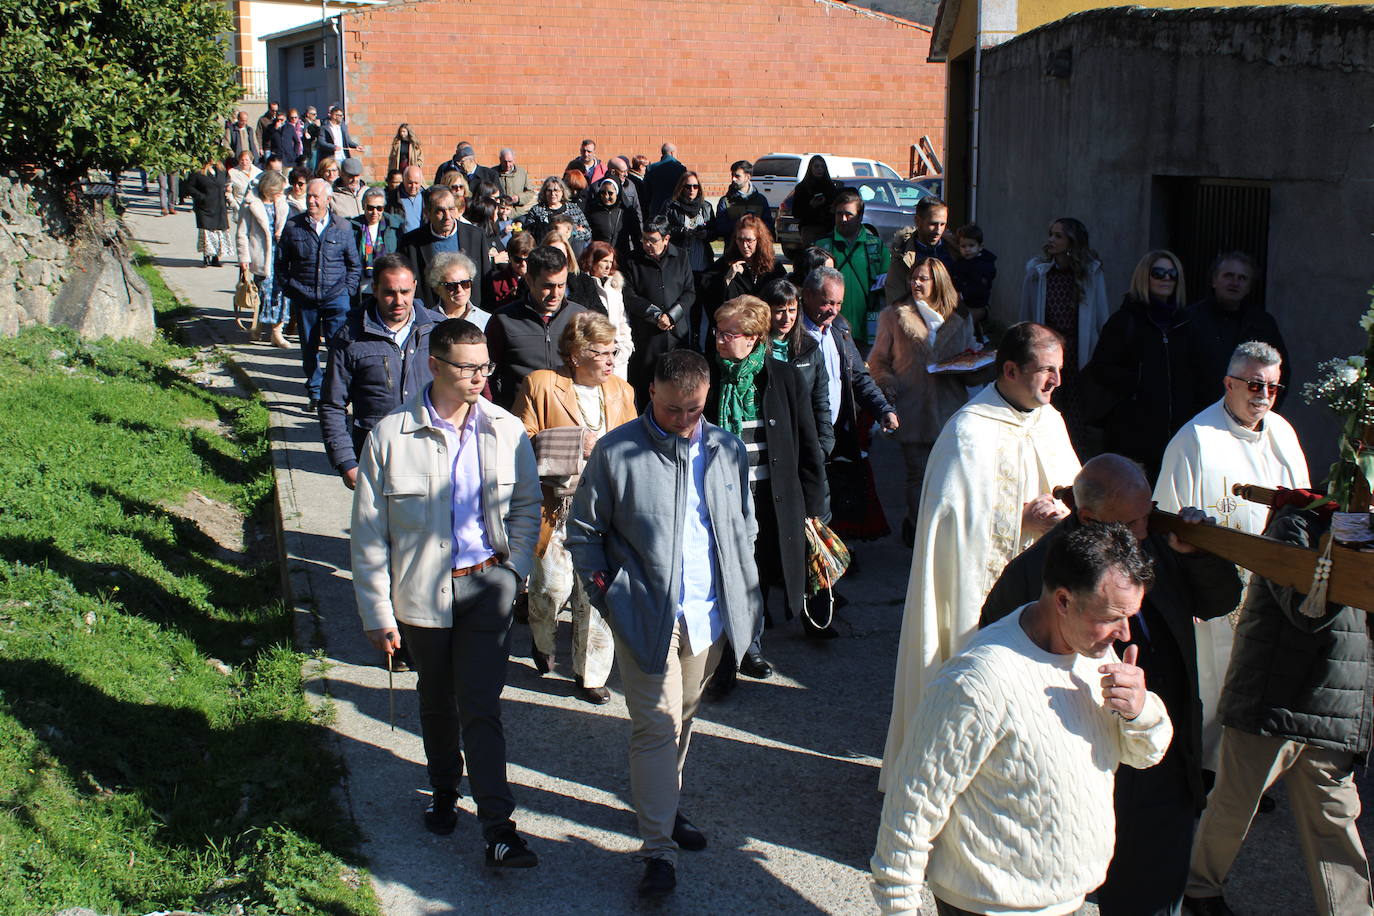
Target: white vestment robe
<point>988,462</point>
<point>1210,454</point>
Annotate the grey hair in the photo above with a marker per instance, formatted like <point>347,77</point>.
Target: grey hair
<point>815,281</point>
<point>373,192</point>
<point>270,182</point>
<point>1252,351</point>
<point>506,151</point>
<point>445,261</point>
<point>329,191</point>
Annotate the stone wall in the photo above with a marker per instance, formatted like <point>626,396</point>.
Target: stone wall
<point>51,275</point>
<point>33,257</point>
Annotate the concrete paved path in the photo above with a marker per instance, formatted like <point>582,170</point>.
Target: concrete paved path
<point>782,776</point>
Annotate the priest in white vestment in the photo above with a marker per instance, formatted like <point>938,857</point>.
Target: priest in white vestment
<point>1236,440</point>
<point>987,495</point>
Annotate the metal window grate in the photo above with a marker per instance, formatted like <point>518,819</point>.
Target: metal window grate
<point>1207,216</point>
<point>307,56</point>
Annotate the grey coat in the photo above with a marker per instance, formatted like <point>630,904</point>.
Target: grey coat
<point>626,522</point>
<point>1304,679</point>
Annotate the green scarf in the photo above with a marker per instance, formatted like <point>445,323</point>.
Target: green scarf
<point>780,349</point>
<point>737,402</point>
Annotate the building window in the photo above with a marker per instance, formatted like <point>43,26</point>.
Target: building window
<point>307,56</point>
<point>1200,218</point>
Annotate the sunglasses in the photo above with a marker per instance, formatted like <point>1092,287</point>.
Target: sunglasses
<point>454,285</point>
<point>1258,387</point>
<point>378,209</point>
<point>691,187</point>
<point>1163,273</point>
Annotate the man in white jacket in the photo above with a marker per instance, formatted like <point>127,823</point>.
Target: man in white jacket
<point>1001,800</point>
<point>445,521</point>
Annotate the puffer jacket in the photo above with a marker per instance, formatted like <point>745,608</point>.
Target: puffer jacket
<point>1305,679</point>
<point>368,370</point>
<point>318,268</point>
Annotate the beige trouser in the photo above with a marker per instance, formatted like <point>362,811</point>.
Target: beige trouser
<point>662,707</point>
<point>1321,787</point>
<point>552,583</point>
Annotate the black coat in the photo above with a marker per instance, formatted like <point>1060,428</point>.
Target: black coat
<point>1300,678</point>
<point>582,290</point>
<point>1186,586</point>
<point>796,485</point>
<point>417,247</point>
<point>617,225</point>
<point>811,201</point>
<point>746,283</point>
<point>207,199</point>
<point>679,213</point>
<point>655,288</point>
<point>857,389</point>
<point>1143,378</point>
<point>810,366</point>
<point>1215,333</point>
<point>521,341</point>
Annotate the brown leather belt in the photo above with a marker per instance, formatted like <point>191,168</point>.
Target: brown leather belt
<point>469,570</point>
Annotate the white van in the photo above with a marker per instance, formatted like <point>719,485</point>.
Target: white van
<point>776,174</point>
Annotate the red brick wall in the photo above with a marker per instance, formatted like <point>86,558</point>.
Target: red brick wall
<point>724,80</point>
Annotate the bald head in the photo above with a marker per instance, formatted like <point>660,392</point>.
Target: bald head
<point>667,149</point>
<point>1113,488</point>
<point>412,180</point>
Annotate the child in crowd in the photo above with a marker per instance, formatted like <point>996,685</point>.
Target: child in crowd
<point>973,273</point>
<point>506,224</point>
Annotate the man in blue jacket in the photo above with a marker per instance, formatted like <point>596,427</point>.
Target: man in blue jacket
<point>318,259</point>
<point>662,534</point>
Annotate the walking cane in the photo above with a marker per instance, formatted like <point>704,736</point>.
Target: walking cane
<point>390,693</point>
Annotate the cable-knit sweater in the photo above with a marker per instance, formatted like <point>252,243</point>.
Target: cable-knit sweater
<point>1002,800</point>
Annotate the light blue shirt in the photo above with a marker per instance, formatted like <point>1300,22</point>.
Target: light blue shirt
<point>697,605</point>
<point>830,352</point>
<point>412,211</point>
<point>470,543</point>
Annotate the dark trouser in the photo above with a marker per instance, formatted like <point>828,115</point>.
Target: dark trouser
<point>949,909</point>
<point>317,322</point>
<point>1155,818</point>
<point>462,672</point>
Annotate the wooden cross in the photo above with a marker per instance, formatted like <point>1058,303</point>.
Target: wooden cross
<point>1352,571</point>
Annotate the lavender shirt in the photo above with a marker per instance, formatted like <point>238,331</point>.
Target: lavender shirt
<point>470,543</point>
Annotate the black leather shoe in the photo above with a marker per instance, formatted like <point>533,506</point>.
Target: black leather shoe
<point>660,879</point>
<point>542,663</point>
<point>508,850</point>
<point>756,666</point>
<point>400,660</point>
<point>312,405</point>
<point>686,835</point>
<point>441,815</point>
<point>1206,906</point>
<point>597,696</point>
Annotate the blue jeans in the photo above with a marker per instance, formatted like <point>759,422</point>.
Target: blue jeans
<point>317,321</point>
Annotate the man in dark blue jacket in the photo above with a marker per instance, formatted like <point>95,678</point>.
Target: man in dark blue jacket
<point>443,232</point>
<point>317,259</point>
<point>376,363</point>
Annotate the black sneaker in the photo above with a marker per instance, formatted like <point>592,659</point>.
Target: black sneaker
<point>508,850</point>
<point>660,879</point>
<point>686,835</point>
<point>441,815</point>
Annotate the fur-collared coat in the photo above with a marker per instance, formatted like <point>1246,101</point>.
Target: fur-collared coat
<point>898,363</point>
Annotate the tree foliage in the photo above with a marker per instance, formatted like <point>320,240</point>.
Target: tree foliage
<point>113,84</point>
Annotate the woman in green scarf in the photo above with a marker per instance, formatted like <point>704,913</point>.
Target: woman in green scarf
<point>765,402</point>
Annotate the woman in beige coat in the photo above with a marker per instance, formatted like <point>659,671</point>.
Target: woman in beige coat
<point>585,394</point>
<point>261,221</point>
<point>923,328</point>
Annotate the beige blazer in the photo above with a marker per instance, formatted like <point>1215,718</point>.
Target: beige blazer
<point>546,400</point>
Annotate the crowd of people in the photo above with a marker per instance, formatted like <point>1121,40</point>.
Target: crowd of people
<point>558,395</point>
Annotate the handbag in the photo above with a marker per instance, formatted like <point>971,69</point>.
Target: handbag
<point>827,558</point>
<point>246,299</point>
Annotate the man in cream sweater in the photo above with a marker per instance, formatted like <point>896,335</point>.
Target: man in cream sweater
<point>1002,797</point>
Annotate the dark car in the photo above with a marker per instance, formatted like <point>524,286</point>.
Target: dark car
<point>889,205</point>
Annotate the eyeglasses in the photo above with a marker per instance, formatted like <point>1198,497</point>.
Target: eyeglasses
<point>1257,387</point>
<point>603,355</point>
<point>469,370</point>
<point>726,336</point>
<point>1163,273</point>
<point>454,285</point>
